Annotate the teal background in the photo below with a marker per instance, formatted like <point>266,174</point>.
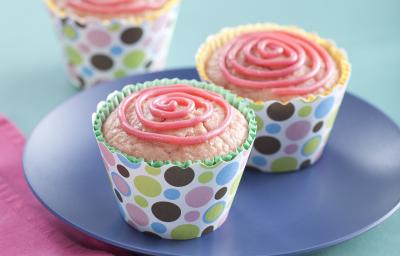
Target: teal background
<point>33,81</point>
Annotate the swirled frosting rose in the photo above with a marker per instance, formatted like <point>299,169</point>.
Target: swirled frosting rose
<point>272,64</point>
<point>111,7</point>
<point>175,122</point>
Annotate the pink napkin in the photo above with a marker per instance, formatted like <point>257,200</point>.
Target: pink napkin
<point>26,227</point>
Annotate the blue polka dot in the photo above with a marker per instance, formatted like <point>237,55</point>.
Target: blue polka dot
<point>273,128</point>
<point>128,163</point>
<point>121,210</point>
<point>324,107</point>
<point>172,194</point>
<point>158,227</point>
<point>116,50</point>
<point>259,161</point>
<point>227,173</point>
<point>87,71</point>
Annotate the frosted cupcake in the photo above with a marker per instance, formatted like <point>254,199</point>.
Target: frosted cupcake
<point>174,151</point>
<point>105,40</point>
<point>294,80</point>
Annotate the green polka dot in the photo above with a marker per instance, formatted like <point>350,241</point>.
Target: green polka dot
<point>69,32</point>
<point>284,164</point>
<point>305,111</point>
<point>133,59</point>
<point>212,166</point>
<point>73,56</point>
<point>260,123</point>
<point>114,27</point>
<point>185,231</point>
<point>256,106</point>
<point>152,170</point>
<point>214,212</point>
<point>147,186</point>
<point>331,119</point>
<point>205,177</point>
<point>235,185</point>
<point>141,201</point>
<point>311,145</point>
<point>119,73</point>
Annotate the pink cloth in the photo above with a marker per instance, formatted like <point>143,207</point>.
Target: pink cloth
<point>26,227</point>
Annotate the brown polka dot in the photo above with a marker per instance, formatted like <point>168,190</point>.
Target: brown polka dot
<point>79,24</point>
<point>81,82</point>
<point>267,145</point>
<point>123,171</point>
<point>64,21</point>
<point>131,35</point>
<point>179,177</point>
<point>318,126</point>
<point>220,193</point>
<point>305,164</point>
<point>148,64</point>
<point>166,211</point>
<point>207,230</point>
<point>102,62</point>
<point>280,112</point>
<point>118,195</point>
<point>148,233</point>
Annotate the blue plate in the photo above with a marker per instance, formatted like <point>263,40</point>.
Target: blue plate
<point>351,189</point>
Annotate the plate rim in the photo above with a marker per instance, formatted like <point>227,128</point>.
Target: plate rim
<point>161,252</point>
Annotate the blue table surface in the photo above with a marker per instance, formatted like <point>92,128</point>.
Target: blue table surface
<point>33,81</point>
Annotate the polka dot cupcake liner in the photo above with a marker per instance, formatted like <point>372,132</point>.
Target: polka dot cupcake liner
<point>173,200</point>
<point>290,135</point>
<point>101,50</point>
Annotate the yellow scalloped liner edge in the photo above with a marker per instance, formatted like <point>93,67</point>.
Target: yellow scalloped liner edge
<point>218,40</point>
<point>134,19</point>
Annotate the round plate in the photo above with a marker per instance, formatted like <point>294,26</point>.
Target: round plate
<point>351,189</point>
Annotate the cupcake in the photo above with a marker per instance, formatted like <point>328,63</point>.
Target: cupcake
<point>174,151</point>
<point>294,80</point>
<point>105,40</point>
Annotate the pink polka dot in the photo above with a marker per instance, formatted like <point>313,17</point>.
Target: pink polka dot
<point>291,149</point>
<point>298,130</point>
<point>132,224</point>
<point>121,184</point>
<point>83,48</point>
<point>192,216</point>
<point>138,216</point>
<point>99,38</point>
<point>147,42</point>
<point>107,156</point>
<point>199,196</point>
<point>71,70</point>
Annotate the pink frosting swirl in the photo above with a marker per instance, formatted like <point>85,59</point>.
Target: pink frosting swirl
<point>114,6</point>
<point>171,106</point>
<point>270,59</point>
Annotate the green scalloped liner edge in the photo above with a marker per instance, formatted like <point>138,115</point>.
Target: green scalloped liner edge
<point>105,108</point>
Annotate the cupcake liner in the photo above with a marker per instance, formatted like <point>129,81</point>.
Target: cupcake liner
<point>173,200</point>
<point>290,135</point>
<point>101,50</point>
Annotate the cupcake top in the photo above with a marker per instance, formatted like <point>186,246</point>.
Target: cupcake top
<point>176,122</point>
<point>108,9</point>
<point>270,62</point>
